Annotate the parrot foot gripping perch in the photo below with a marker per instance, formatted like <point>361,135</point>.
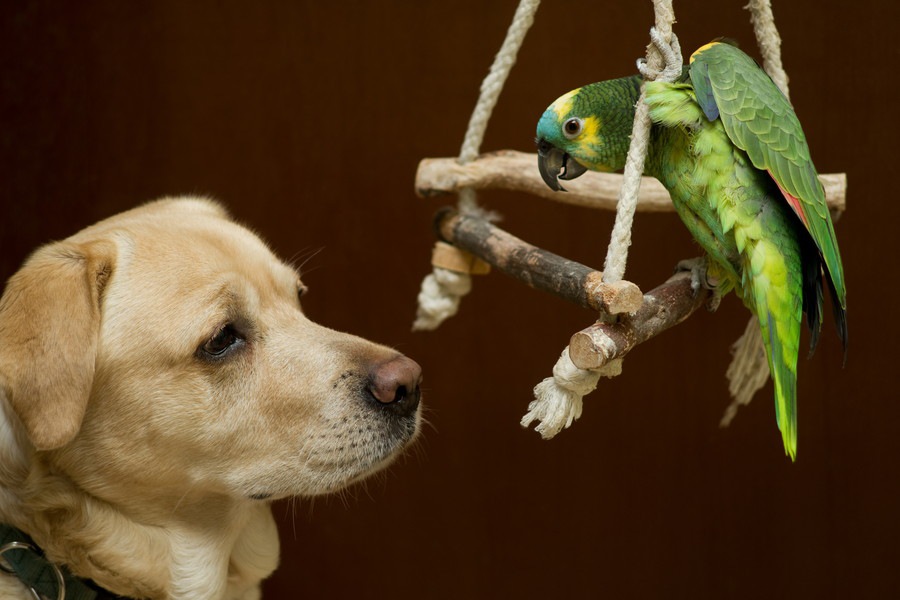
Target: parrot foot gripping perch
<point>701,279</point>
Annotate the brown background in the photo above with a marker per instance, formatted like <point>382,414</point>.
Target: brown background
<point>307,119</point>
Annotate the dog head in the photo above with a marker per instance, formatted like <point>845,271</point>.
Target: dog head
<point>164,353</point>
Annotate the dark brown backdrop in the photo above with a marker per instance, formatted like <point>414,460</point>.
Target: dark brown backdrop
<point>308,119</point>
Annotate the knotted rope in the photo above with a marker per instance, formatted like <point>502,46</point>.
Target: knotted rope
<point>558,399</point>
<point>443,289</point>
<point>664,63</point>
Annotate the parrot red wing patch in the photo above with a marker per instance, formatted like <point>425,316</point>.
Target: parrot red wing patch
<point>795,202</point>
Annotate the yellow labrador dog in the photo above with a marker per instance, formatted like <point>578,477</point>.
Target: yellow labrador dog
<point>159,384</point>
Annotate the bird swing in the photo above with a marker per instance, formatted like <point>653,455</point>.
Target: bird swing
<point>626,317</point>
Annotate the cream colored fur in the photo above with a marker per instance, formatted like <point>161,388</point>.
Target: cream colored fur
<point>129,455</point>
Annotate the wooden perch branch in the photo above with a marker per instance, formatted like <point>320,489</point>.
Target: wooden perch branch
<point>535,267</point>
<point>663,307</point>
<point>651,313</point>
<point>517,171</point>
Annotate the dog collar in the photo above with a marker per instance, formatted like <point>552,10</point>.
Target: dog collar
<point>19,556</point>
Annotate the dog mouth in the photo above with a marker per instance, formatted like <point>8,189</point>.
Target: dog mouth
<point>363,446</point>
<point>332,471</point>
<point>347,447</point>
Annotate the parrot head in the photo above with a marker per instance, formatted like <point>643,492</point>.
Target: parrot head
<point>586,129</point>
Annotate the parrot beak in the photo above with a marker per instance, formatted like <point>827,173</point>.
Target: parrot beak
<point>552,160</point>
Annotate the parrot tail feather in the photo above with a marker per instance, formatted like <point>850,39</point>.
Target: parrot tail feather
<point>775,295</point>
<point>784,375</point>
<point>813,294</point>
<point>815,270</point>
<point>840,316</point>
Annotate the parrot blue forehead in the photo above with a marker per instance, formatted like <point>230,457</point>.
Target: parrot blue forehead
<point>549,124</point>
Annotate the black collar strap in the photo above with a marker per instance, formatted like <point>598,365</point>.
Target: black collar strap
<point>19,556</point>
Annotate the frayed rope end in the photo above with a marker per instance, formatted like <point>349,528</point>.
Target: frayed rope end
<point>439,297</point>
<point>558,400</point>
<point>748,371</point>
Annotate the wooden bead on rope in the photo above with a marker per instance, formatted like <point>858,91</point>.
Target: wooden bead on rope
<point>448,256</point>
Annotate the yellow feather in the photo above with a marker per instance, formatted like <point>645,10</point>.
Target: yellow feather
<point>701,49</point>
<point>562,106</point>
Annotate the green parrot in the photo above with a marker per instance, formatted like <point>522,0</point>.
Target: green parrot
<point>726,144</point>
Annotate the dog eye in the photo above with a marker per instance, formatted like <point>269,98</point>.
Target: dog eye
<point>301,290</point>
<point>223,341</point>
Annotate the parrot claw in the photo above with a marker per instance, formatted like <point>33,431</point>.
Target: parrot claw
<point>700,278</point>
<point>698,269</point>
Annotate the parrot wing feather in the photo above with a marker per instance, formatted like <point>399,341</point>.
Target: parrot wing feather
<point>759,120</point>
<point>703,92</point>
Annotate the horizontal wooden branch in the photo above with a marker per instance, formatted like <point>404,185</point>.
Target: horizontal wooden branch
<point>535,267</point>
<point>663,307</point>
<point>640,317</point>
<point>517,171</point>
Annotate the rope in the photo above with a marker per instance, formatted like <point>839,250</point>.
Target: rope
<point>439,297</point>
<point>749,368</point>
<point>493,83</point>
<point>769,42</point>
<point>442,290</point>
<point>663,63</point>
<point>558,399</point>
<point>748,371</point>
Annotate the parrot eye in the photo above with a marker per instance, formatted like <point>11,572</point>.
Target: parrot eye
<point>573,127</point>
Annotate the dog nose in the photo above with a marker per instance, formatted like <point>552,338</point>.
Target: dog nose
<point>395,384</point>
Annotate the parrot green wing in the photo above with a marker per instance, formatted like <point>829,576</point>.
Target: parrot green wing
<point>758,119</point>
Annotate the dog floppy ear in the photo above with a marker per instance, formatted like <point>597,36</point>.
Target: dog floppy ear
<point>49,327</point>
